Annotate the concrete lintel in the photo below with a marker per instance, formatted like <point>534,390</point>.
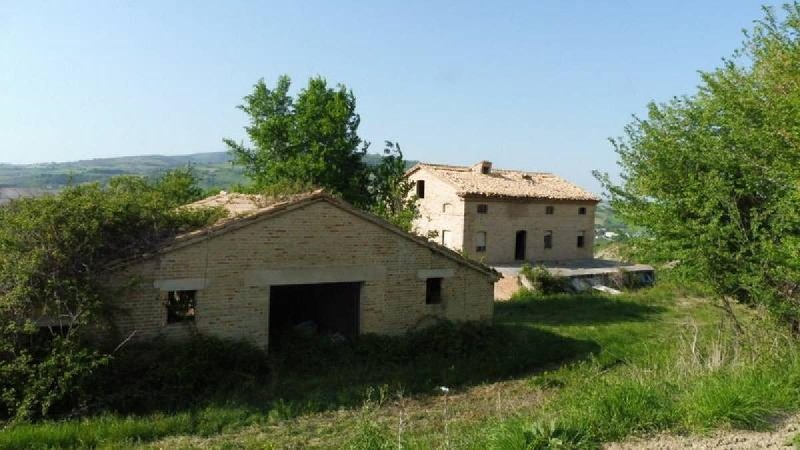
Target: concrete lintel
<point>315,275</point>
<point>424,274</point>
<point>183,284</point>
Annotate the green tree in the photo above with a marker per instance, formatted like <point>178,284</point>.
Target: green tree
<point>390,189</point>
<point>308,141</point>
<point>715,177</point>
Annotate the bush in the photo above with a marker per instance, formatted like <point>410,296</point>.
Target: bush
<point>54,253</point>
<point>543,281</point>
<point>167,375</point>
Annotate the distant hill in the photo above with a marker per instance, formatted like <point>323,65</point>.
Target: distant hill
<point>214,170</point>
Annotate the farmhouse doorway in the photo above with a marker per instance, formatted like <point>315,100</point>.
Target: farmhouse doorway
<point>519,245</point>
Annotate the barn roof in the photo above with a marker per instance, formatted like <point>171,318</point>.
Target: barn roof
<point>471,181</point>
<point>246,209</point>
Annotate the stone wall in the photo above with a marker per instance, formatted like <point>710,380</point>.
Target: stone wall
<point>317,242</point>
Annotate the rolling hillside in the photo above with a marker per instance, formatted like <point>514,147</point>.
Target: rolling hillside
<point>214,170</point>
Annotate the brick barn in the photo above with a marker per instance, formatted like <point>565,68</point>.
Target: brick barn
<point>312,261</point>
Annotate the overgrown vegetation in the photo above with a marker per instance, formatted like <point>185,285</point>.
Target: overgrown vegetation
<point>542,281</point>
<point>713,177</point>
<point>54,300</point>
<point>659,359</point>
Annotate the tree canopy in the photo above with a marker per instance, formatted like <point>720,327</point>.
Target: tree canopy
<point>312,141</point>
<point>308,141</point>
<point>715,177</point>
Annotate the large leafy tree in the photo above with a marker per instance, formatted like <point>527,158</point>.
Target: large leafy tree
<point>715,177</point>
<point>310,140</point>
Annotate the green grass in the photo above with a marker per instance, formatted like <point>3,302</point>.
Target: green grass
<point>575,370</point>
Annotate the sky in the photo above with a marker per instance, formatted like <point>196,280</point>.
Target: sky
<point>535,85</point>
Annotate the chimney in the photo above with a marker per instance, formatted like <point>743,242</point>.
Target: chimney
<point>483,167</point>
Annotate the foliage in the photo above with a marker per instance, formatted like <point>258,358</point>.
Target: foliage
<point>390,189</point>
<point>312,139</point>
<point>168,375</point>
<point>542,281</point>
<point>53,297</point>
<point>713,177</point>
<point>657,359</point>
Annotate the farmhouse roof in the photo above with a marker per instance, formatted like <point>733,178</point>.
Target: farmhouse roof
<point>246,209</point>
<point>483,181</point>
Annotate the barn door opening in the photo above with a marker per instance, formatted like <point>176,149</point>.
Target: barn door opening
<point>322,309</point>
<point>519,245</point>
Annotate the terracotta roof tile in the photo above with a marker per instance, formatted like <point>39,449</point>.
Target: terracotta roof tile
<point>507,183</point>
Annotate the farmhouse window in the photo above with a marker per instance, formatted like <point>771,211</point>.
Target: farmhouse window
<point>582,211</point>
<point>420,188</point>
<point>480,241</point>
<point>180,306</point>
<point>483,208</point>
<point>447,207</point>
<point>548,239</point>
<point>581,238</point>
<point>447,238</point>
<point>549,209</point>
<point>433,291</point>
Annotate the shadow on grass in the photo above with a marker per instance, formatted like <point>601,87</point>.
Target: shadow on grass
<point>311,374</point>
<point>573,309</point>
<point>458,357</point>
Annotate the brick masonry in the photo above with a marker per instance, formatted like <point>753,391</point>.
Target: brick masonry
<point>504,218</point>
<point>317,239</point>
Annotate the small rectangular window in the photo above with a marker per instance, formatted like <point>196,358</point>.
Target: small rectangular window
<point>180,306</point>
<point>582,211</point>
<point>548,239</point>
<point>420,188</point>
<point>549,209</point>
<point>433,291</point>
<point>480,241</point>
<point>581,238</point>
<point>483,209</point>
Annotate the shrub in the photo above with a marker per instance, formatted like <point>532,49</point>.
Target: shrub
<point>543,281</point>
<point>167,375</point>
<point>54,251</point>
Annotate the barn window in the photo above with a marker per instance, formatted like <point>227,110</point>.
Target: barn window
<point>433,291</point>
<point>483,208</point>
<point>420,188</point>
<point>549,209</point>
<point>582,211</point>
<point>548,239</point>
<point>180,306</point>
<point>581,238</point>
<point>447,207</point>
<point>480,241</point>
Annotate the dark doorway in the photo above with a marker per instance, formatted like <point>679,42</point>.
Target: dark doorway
<point>318,309</point>
<point>519,246</point>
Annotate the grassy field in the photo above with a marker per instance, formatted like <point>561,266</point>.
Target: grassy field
<point>567,371</point>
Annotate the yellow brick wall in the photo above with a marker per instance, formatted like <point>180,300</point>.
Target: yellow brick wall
<point>315,237</point>
<point>506,217</point>
<point>432,215</point>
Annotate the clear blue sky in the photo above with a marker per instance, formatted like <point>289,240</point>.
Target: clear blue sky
<point>529,85</point>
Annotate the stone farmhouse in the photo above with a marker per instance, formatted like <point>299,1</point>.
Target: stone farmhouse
<point>504,216</point>
<point>313,261</point>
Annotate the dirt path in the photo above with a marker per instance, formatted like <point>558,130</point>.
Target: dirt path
<point>781,437</point>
